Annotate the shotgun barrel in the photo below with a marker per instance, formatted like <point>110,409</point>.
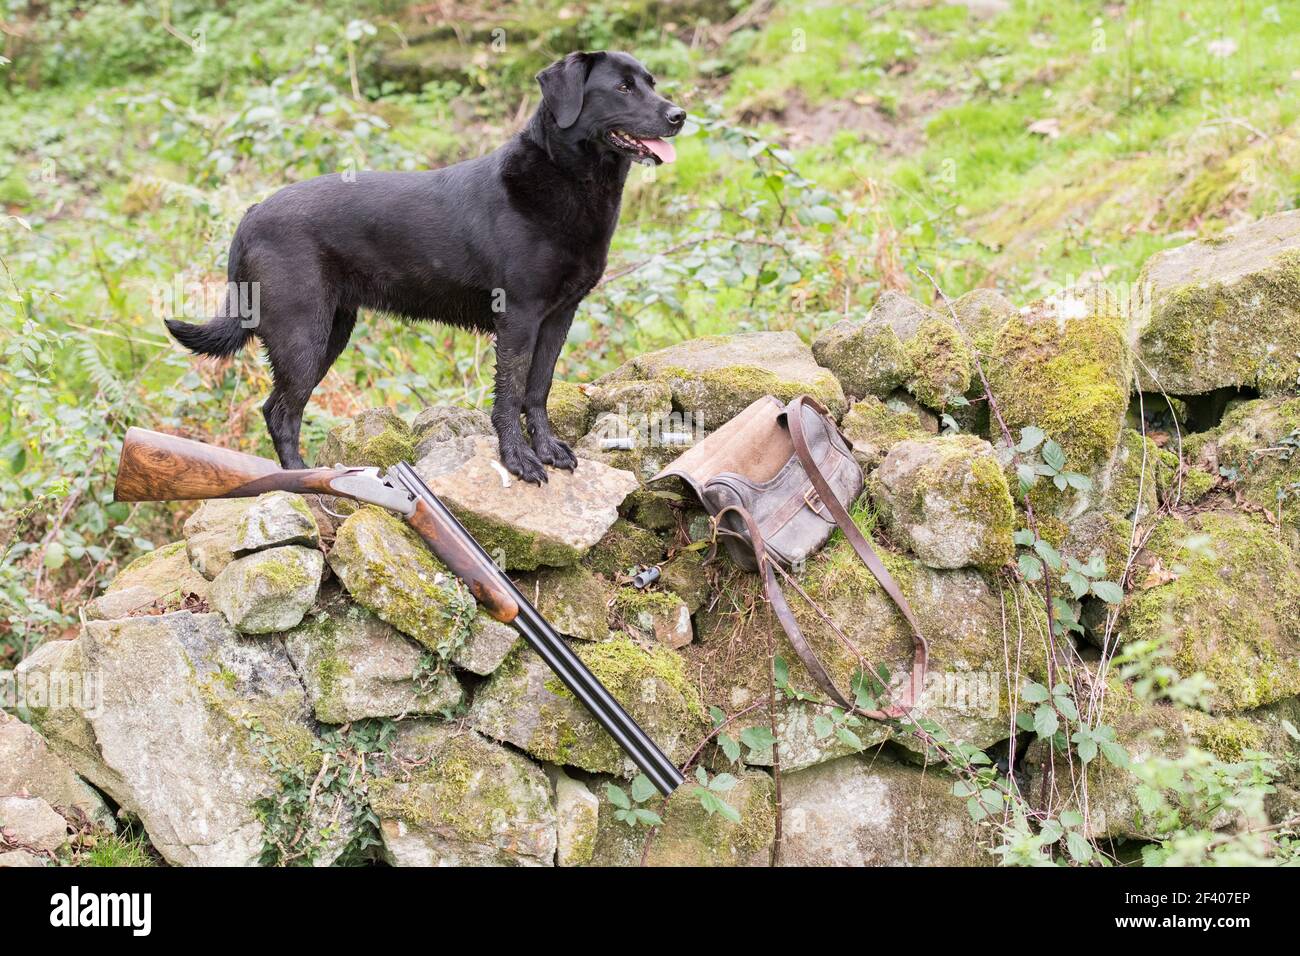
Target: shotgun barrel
<point>543,639</point>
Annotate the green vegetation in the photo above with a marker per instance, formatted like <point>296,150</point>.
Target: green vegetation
<point>835,152</point>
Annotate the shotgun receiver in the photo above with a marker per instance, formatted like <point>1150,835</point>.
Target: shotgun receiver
<point>158,467</point>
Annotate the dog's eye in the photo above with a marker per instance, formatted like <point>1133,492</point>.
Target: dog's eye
<point>624,88</point>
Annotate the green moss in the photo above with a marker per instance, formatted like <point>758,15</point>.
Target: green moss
<point>1243,333</point>
<point>330,670</point>
<point>873,427</point>
<point>987,501</point>
<point>632,397</point>
<point>282,571</point>
<point>569,410</point>
<point>1232,612</point>
<point>1067,376</point>
<point>723,393</point>
<point>685,575</point>
<point>624,546</point>
<point>523,550</point>
<point>867,358</point>
<point>1128,477</point>
<point>690,835</point>
<point>141,564</point>
<point>387,568</point>
<point>462,789</point>
<point>938,364</point>
<point>1228,738</point>
<point>377,437</point>
<point>955,493</point>
<point>624,667</point>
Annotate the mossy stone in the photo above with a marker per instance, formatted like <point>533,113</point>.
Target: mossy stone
<point>569,410</point>
<point>378,437</point>
<point>1064,367</point>
<point>387,569</point>
<point>690,835</point>
<point>1231,611</point>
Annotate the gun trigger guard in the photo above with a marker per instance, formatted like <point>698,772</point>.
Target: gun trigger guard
<point>368,485</point>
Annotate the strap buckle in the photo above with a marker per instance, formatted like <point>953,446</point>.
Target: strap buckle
<point>814,501</point>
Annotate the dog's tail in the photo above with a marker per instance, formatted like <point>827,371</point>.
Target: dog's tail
<point>228,332</point>
<point>224,335</point>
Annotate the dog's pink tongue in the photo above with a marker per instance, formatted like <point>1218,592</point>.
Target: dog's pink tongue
<point>665,151</point>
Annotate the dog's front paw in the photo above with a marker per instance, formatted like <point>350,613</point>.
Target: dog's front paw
<point>557,453</point>
<point>521,462</point>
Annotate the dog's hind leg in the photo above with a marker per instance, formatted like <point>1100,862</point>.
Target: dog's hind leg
<point>299,361</point>
<point>550,340</point>
<point>515,344</point>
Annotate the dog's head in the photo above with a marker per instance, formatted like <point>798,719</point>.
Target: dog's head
<point>609,100</point>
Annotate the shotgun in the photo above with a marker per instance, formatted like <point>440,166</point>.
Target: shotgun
<point>158,467</point>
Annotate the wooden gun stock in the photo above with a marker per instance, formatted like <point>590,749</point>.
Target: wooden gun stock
<point>158,467</point>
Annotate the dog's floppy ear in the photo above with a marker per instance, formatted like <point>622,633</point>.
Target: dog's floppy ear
<point>562,84</point>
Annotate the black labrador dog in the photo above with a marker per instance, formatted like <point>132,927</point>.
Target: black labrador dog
<point>509,243</point>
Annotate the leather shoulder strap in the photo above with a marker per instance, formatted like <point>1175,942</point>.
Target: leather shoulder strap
<point>794,419</point>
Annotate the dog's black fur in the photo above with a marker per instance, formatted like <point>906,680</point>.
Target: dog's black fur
<point>509,243</point>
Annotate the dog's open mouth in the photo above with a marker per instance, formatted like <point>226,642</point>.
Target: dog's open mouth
<point>643,150</point>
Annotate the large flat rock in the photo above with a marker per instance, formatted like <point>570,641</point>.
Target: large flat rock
<point>525,526</point>
<point>1225,312</point>
<point>718,376</point>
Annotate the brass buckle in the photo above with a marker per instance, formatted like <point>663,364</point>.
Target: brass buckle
<point>814,501</point>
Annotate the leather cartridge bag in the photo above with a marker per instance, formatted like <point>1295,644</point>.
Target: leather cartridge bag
<point>778,480</point>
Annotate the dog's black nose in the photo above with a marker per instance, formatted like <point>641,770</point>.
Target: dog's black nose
<point>676,116</point>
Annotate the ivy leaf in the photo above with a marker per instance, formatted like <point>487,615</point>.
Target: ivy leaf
<point>1086,748</point>
<point>1030,568</point>
<point>848,738</point>
<point>1066,706</point>
<point>1078,482</point>
<point>1077,583</point>
<point>1108,591</point>
<point>722,783</point>
<point>758,739</point>
<point>1048,554</point>
<point>1115,753</point>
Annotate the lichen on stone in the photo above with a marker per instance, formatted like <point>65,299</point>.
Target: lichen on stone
<point>938,364</point>
<point>1231,611</point>
<point>569,411</point>
<point>1065,369</point>
<point>387,568</point>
